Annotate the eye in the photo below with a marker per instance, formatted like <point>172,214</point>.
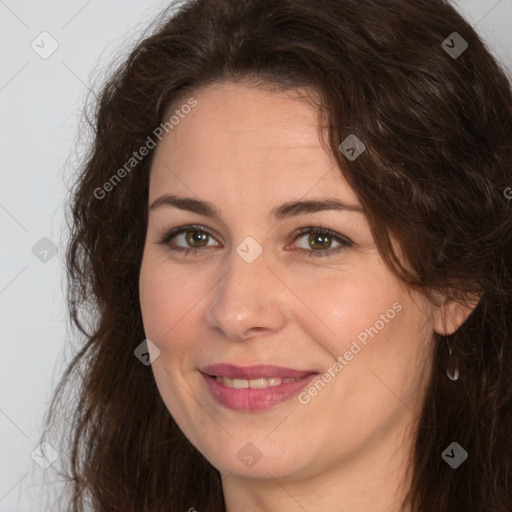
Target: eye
<point>196,237</point>
<point>320,240</point>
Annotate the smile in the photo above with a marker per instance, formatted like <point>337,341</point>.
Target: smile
<point>254,395</point>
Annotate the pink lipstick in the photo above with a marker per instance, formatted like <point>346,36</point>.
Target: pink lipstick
<point>254,388</point>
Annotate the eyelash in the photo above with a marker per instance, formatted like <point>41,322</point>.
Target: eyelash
<point>344,242</point>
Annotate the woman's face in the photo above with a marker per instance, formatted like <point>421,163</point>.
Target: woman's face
<point>255,290</point>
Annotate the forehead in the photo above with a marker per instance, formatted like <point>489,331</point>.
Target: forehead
<point>247,144</point>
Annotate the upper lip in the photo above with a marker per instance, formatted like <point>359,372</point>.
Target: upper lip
<point>253,372</point>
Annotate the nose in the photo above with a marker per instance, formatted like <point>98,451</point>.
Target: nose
<point>250,299</point>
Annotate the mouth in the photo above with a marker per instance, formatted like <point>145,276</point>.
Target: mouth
<point>254,388</point>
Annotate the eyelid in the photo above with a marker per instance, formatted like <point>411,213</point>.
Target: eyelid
<point>326,231</point>
<point>172,233</point>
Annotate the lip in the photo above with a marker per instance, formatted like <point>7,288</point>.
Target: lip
<point>254,400</point>
<point>253,372</point>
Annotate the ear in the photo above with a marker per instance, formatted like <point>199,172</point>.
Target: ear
<point>451,314</point>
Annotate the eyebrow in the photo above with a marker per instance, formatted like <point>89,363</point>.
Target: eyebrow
<point>284,211</point>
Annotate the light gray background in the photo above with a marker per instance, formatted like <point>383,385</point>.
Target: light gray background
<point>40,105</point>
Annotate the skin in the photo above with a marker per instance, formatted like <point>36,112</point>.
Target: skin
<point>247,150</point>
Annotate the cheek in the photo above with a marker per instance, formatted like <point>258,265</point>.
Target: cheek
<point>160,304</point>
<point>170,303</point>
<point>343,308</point>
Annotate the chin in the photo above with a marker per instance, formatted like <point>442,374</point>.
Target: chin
<point>249,460</point>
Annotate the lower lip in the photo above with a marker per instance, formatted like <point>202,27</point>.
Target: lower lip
<point>248,399</point>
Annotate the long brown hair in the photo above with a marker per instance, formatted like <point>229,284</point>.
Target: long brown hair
<point>436,119</point>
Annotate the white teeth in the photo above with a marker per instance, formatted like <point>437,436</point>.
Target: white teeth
<point>257,383</point>
<point>239,383</point>
<point>253,383</point>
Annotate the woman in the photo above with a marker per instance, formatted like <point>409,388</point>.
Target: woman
<point>293,233</point>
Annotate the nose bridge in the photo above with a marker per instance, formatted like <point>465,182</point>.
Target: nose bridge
<point>247,297</point>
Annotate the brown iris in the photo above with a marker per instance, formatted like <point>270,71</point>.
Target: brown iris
<point>195,237</point>
<point>316,239</point>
